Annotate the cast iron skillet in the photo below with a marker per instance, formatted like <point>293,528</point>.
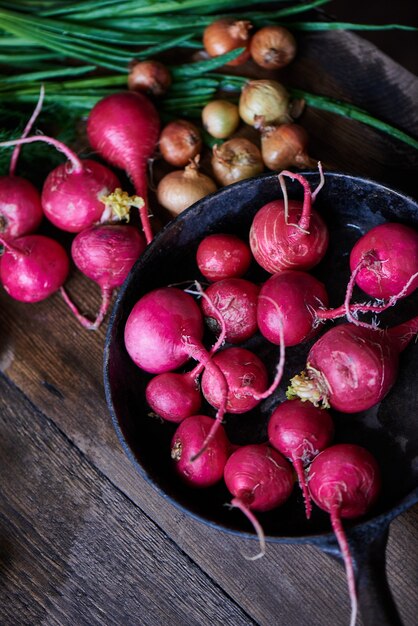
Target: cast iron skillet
<point>350,206</point>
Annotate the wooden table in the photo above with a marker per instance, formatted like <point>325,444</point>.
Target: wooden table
<point>84,540</point>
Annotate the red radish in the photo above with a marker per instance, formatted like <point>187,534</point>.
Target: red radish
<point>106,254</point>
<point>175,396</point>
<point>294,298</point>
<point>351,368</point>
<point>392,253</point>
<point>124,129</point>
<point>288,234</point>
<point>246,377</point>
<point>222,256</point>
<point>260,479</point>
<point>74,194</point>
<point>199,469</point>
<point>344,480</point>
<point>20,207</point>
<point>300,431</point>
<point>20,202</point>
<point>33,267</point>
<point>236,301</point>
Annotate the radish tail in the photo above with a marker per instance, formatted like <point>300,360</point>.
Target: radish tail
<point>58,145</point>
<point>300,472</point>
<point>305,217</point>
<point>28,128</point>
<point>140,184</point>
<point>348,561</point>
<point>279,368</point>
<point>85,321</point>
<point>238,503</point>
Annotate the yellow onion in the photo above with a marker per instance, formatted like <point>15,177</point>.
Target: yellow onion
<point>236,160</point>
<point>273,47</point>
<point>265,100</point>
<point>285,146</point>
<point>180,189</point>
<point>220,118</point>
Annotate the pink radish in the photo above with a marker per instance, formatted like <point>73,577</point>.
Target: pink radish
<point>74,194</point>
<point>260,479</point>
<point>288,234</point>
<point>391,252</point>
<point>106,254</point>
<point>124,129</point>
<point>33,267</point>
<point>236,301</point>
<point>294,298</point>
<point>20,202</point>
<point>344,480</point>
<point>351,368</point>
<point>246,377</point>
<point>174,395</point>
<point>199,469</point>
<point>221,256</point>
<point>300,431</point>
<point>163,331</point>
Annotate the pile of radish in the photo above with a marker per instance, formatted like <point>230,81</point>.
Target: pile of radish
<point>351,365</point>
<point>82,197</point>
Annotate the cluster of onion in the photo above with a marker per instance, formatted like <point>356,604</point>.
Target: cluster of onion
<point>269,137</point>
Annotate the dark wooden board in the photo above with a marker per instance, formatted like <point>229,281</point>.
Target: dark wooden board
<point>61,460</point>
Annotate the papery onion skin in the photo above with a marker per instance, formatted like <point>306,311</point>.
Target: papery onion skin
<point>150,77</point>
<point>224,35</point>
<point>284,146</point>
<point>265,100</point>
<point>236,159</point>
<point>273,47</point>
<point>178,190</point>
<point>220,118</point>
<point>180,141</point>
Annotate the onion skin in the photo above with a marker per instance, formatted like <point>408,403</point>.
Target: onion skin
<point>264,100</point>
<point>150,77</point>
<point>225,35</point>
<point>178,190</point>
<point>273,47</point>
<point>235,160</point>
<point>180,142</point>
<point>220,118</point>
<point>285,146</point>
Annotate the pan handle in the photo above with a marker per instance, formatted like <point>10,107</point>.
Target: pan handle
<point>368,551</point>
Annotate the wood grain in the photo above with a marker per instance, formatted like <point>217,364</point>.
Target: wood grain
<point>84,538</point>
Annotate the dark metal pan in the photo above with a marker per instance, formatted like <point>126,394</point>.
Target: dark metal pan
<point>350,206</point>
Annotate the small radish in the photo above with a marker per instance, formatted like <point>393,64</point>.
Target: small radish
<point>33,267</point>
<point>351,368</point>
<point>344,480</point>
<point>246,377</point>
<point>106,254</point>
<point>260,479</point>
<point>124,129</point>
<point>236,301</point>
<point>288,234</point>
<point>292,298</point>
<point>164,330</point>
<point>199,469</point>
<point>20,202</point>
<point>174,395</point>
<point>391,250</point>
<point>300,431</point>
<point>221,256</point>
<point>74,193</point>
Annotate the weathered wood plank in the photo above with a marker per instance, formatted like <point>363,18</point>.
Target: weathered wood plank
<point>58,367</point>
<point>74,550</point>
